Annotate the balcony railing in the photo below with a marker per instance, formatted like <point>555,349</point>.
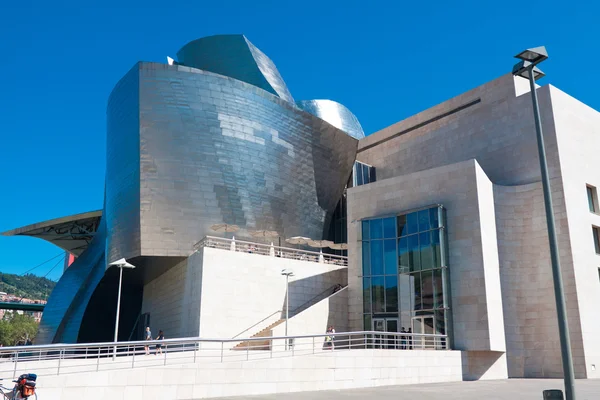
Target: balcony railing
<point>268,250</point>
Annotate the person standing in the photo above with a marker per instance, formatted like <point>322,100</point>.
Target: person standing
<point>330,337</point>
<point>403,339</point>
<point>161,336</point>
<point>148,336</point>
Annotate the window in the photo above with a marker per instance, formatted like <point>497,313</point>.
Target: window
<point>592,195</point>
<point>596,232</point>
<point>362,174</point>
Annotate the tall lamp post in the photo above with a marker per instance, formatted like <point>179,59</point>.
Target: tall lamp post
<point>527,68</point>
<point>122,263</point>
<point>287,274</point>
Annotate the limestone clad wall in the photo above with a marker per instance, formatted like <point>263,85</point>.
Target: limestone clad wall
<point>467,195</point>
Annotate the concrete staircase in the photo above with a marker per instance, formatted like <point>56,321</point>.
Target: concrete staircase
<point>260,344</point>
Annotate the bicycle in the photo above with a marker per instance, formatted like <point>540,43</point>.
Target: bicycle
<point>24,389</point>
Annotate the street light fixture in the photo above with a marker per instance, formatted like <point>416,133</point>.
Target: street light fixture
<point>287,274</point>
<point>122,263</point>
<point>527,69</point>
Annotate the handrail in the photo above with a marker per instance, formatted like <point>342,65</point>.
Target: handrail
<point>332,290</point>
<point>57,359</point>
<point>58,346</point>
<point>262,320</point>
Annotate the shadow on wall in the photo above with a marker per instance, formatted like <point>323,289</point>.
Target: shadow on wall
<point>484,365</point>
<point>310,290</point>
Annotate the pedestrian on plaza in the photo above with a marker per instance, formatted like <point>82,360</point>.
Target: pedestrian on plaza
<point>330,337</point>
<point>147,337</point>
<point>403,338</point>
<point>410,338</point>
<point>161,336</point>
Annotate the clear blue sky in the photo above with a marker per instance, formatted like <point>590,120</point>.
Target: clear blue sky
<point>385,60</point>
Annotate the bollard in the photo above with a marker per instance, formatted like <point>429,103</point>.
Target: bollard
<point>553,394</point>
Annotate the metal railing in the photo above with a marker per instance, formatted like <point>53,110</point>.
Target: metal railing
<point>57,359</point>
<point>268,250</point>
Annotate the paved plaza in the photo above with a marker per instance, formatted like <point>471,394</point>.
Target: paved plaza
<point>513,389</point>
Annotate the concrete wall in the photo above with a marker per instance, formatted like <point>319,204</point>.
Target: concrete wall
<point>328,370</point>
<point>494,124</point>
<point>241,289</point>
<point>219,293</point>
<point>332,311</point>
<point>173,299</point>
<point>462,190</point>
<point>578,136</point>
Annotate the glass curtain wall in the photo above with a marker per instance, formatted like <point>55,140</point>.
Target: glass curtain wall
<point>404,272</point>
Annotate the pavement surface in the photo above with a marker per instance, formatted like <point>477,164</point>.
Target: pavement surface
<point>513,389</point>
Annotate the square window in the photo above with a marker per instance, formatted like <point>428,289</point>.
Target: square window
<point>596,232</point>
<point>592,195</point>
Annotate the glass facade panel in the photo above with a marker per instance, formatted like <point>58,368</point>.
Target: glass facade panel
<point>414,253</point>
<point>391,260</point>
<point>412,223</point>
<point>424,222</point>
<point>434,218</point>
<point>391,293</point>
<point>376,229</point>
<point>438,286</point>
<point>367,295</point>
<point>366,259</point>
<point>426,250</point>
<point>367,321</point>
<point>359,177</point>
<point>403,259</point>
<point>435,249</point>
<point>365,230</point>
<point>427,290</point>
<point>401,220</point>
<point>389,228</point>
<point>377,257</point>
<point>402,267</point>
<point>416,288</point>
<point>378,294</point>
<point>366,174</point>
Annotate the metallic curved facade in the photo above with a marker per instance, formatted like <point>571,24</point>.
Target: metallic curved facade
<point>336,114</point>
<point>234,56</point>
<point>68,301</point>
<point>215,138</point>
<point>215,150</point>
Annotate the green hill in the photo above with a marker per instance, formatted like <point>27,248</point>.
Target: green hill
<point>28,286</point>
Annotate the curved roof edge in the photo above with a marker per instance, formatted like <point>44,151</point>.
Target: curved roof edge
<point>72,233</point>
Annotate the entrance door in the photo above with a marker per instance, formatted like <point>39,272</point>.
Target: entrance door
<point>386,325</point>
<point>421,326</point>
<point>378,326</point>
<point>393,341</point>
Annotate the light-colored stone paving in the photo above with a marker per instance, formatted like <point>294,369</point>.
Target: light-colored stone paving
<point>512,389</point>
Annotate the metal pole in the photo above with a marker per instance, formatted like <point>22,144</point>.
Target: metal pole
<point>561,309</point>
<point>287,307</point>
<point>118,307</point>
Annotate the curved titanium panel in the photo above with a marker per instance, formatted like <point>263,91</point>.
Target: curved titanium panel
<point>63,314</point>
<point>336,114</point>
<point>123,168</point>
<point>217,150</point>
<point>234,56</point>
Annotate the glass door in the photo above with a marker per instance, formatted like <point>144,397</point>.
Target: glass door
<point>422,325</point>
<point>378,326</point>
<point>393,341</point>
